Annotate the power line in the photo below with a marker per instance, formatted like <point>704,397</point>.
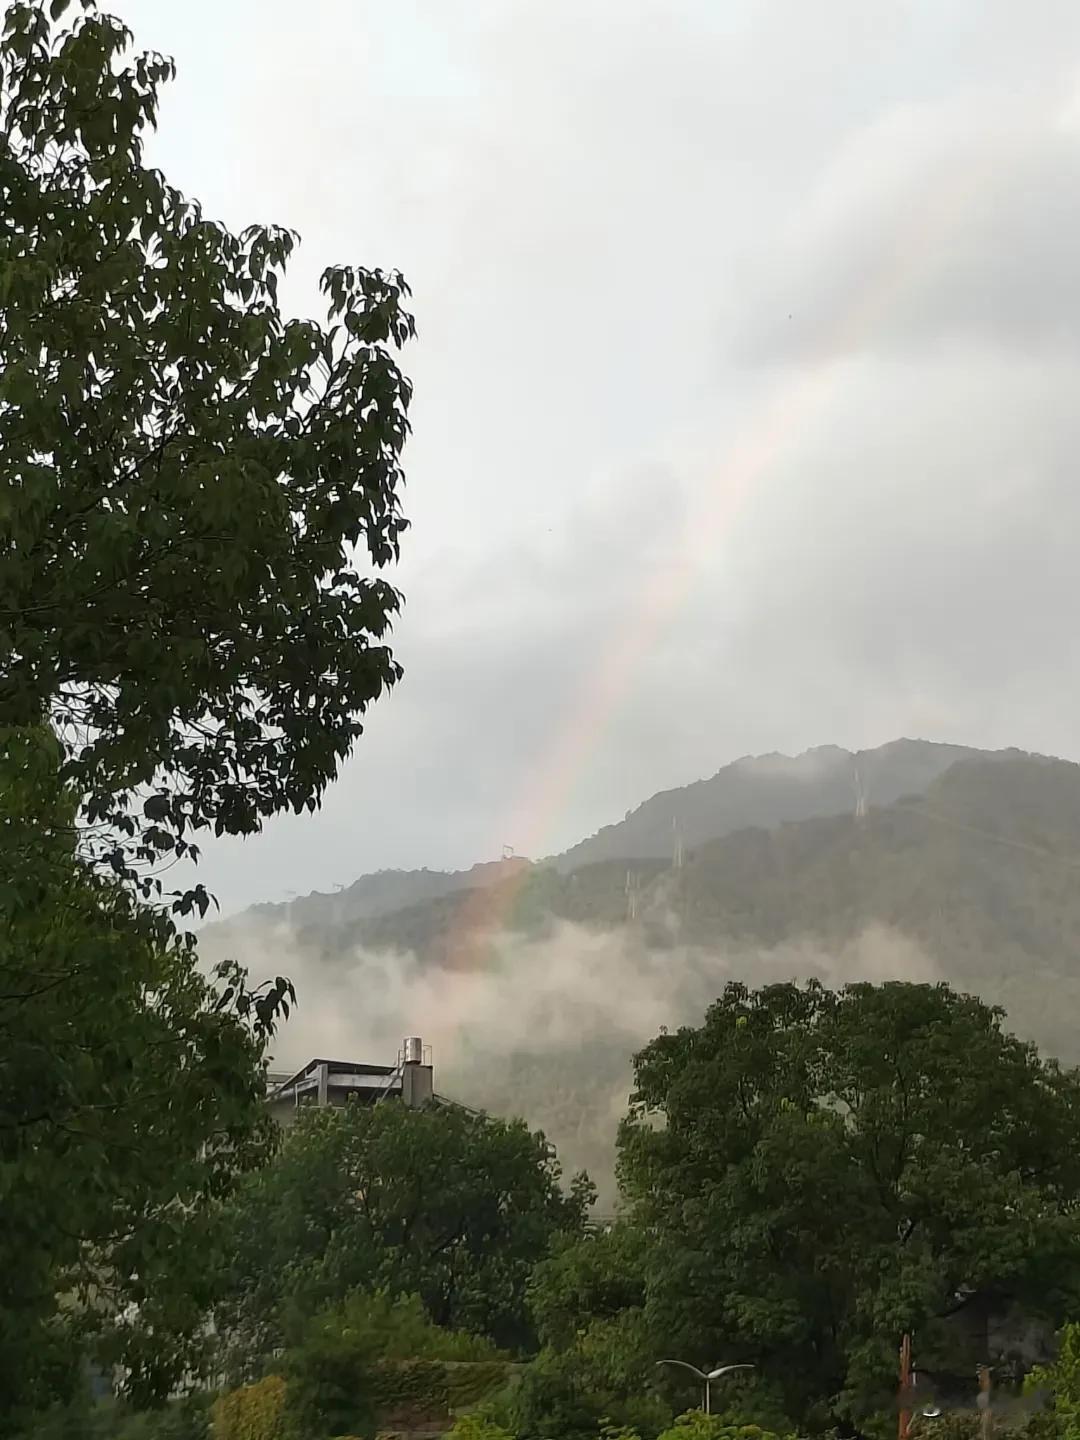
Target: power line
<point>1027,845</point>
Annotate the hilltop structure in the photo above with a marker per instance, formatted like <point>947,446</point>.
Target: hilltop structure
<point>411,1079</point>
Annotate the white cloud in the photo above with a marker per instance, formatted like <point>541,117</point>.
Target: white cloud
<point>608,213</point>
<point>510,1036</point>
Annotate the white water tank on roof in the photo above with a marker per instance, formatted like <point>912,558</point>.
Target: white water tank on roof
<point>413,1050</point>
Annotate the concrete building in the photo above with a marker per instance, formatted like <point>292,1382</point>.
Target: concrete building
<point>342,1082</point>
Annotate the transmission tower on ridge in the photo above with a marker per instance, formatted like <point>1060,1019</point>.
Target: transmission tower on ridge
<point>631,895</point>
<point>860,796</point>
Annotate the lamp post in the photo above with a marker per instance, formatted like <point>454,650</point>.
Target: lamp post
<point>705,1376</point>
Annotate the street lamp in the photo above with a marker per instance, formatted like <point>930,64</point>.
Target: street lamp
<point>706,1376</point>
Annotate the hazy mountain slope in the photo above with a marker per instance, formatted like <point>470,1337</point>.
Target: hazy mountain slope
<point>978,882</point>
<point>979,871</point>
<point>983,873</point>
<point>768,790</point>
<point>377,894</point>
<point>765,790</point>
<point>535,990</point>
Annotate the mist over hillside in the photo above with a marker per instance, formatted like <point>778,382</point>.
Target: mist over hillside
<point>536,987</point>
<point>762,790</point>
<point>769,790</point>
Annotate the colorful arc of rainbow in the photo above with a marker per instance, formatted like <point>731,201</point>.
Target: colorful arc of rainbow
<point>794,404</point>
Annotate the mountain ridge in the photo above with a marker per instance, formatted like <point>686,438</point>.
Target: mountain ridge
<point>767,789</point>
<point>772,788</point>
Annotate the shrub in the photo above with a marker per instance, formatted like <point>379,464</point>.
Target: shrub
<point>609,1430</point>
<point>254,1412</point>
<point>696,1425</point>
<point>478,1427</point>
<point>377,1357</point>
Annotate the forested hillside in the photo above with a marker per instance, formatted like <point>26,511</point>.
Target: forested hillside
<point>379,894</point>
<point>536,989</point>
<point>762,790</point>
<point>769,790</point>
<point>983,872</point>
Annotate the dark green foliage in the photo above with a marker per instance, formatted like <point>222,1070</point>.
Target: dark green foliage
<point>187,477</point>
<point>187,482</point>
<point>598,1357</point>
<point>130,1095</point>
<point>184,1419</point>
<point>823,1172</point>
<point>599,1276</point>
<point>569,1394</point>
<point>453,1207</point>
<point>328,1391</point>
<point>376,1360</point>
<point>601,1346</point>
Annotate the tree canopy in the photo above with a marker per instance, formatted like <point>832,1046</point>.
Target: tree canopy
<point>441,1203</point>
<point>825,1171</point>
<point>188,477</point>
<point>195,493</point>
<point>130,1096</point>
<point>597,1358</point>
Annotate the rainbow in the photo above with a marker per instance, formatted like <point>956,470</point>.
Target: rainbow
<point>795,401</point>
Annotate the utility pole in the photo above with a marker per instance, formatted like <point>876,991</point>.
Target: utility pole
<point>983,1401</point>
<point>905,1388</point>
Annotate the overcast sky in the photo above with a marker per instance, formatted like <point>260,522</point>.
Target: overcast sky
<point>747,388</point>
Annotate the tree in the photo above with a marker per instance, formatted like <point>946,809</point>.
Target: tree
<point>604,1372</point>
<point>441,1203</point>
<point>596,1276</point>
<point>186,478</point>
<point>822,1172</point>
<point>191,489</point>
<point>600,1347</point>
<point>597,1360</point>
<point>130,1096</point>
<point>1060,1384</point>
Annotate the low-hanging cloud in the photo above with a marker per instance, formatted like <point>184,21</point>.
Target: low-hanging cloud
<point>548,1028</point>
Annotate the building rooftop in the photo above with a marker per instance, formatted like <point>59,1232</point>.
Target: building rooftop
<point>335,1082</point>
<point>340,1075</point>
